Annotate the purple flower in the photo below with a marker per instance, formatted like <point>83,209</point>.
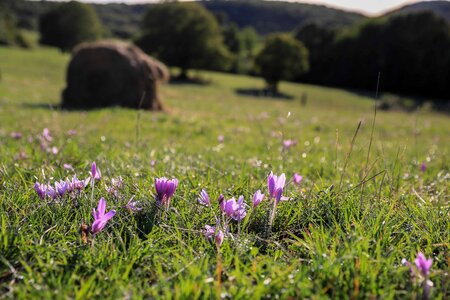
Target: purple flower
<point>41,190</point>
<point>220,138</point>
<point>61,187</point>
<point>423,167</point>
<point>100,218</point>
<point>257,198</point>
<point>95,172</point>
<point>423,264</point>
<point>51,192</point>
<point>71,132</point>
<point>289,143</point>
<point>67,167</point>
<point>165,189</point>
<point>46,135</point>
<point>276,185</point>
<point>77,184</point>
<point>53,150</point>
<point>209,231</point>
<point>116,185</point>
<point>233,209</point>
<point>16,135</point>
<point>204,198</point>
<point>132,205</point>
<point>219,238</point>
<point>21,155</point>
<point>411,268</point>
<point>297,179</point>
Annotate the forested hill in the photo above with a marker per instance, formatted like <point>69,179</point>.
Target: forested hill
<point>440,8</point>
<point>271,16</point>
<point>123,20</point>
<point>265,16</point>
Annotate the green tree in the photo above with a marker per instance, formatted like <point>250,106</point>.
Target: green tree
<point>185,35</point>
<point>9,33</point>
<point>282,58</point>
<point>319,41</point>
<point>69,24</point>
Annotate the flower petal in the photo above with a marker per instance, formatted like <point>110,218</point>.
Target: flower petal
<point>101,207</point>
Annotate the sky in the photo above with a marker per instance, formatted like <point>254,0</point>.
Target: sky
<point>369,7</point>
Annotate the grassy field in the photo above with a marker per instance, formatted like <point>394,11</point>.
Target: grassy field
<point>342,234</point>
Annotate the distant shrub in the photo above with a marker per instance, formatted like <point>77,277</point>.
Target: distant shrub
<point>69,24</point>
<point>282,58</point>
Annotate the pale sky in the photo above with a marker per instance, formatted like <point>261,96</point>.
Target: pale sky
<point>371,7</point>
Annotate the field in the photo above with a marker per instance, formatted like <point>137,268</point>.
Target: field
<point>343,234</point>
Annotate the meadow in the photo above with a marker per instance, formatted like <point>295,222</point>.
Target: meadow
<point>367,199</point>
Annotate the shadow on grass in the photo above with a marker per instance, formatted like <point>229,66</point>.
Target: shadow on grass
<point>263,93</point>
<point>190,80</point>
<point>49,106</point>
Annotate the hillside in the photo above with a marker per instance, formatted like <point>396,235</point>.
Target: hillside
<point>265,16</point>
<point>440,8</point>
<point>269,16</point>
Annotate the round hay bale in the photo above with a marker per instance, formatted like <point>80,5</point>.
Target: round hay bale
<point>103,74</point>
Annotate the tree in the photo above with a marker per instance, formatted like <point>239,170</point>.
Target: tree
<point>185,35</point>
<point>9,33</point>
<point>410,51</point>
<point>282,58</point>
<point>319,41</point>
<point>69,24</point>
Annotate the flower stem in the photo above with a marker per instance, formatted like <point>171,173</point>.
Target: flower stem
<point>272,216</point>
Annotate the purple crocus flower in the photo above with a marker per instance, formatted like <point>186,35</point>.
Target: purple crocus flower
<point>132,205</point>
<point>219,238</point>
<point>423,167</point>
<point>165,189</point>
<point>51,192</point>
<point>41,190</point>
<point>16,135</point>
<point>297,179</point>
<point>61,187</point>
<point>423,264</point>
<point>234,209</point>
<point>209,231</point>
<point>68,167</point>
<point>95,172</point>
<point>100,218</point>
<point>46,135</point>
<point>116,185</point>
<point>289,143</point>
<point>77,185</point>
<point>71,132</point>
<point>257,198</point>
<point>204,198</point>
<point>276,185</point>
<point>411,268</point>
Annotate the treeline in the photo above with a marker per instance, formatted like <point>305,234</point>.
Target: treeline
<point>123,21</point>
<point>412,52</point>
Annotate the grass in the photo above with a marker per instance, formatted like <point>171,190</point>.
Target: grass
<point>342,235</point>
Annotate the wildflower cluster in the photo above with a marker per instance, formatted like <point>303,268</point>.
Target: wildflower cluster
<point>231,210</point>
<point>72,187</point>
<point>236,210</point>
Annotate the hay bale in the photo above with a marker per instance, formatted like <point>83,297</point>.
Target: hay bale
<point>103,74</point>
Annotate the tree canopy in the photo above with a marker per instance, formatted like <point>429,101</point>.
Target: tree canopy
<point>69,24</point>
<point>411,52</point>
<point>282,58</point>
<point>185,35</point>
